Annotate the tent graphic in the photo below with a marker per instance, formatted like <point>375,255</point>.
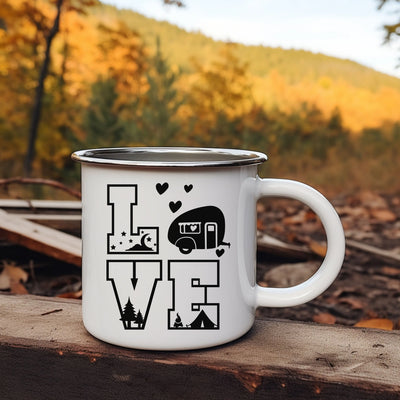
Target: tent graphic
<point>202,321</point>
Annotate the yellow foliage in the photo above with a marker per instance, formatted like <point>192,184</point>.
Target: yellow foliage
<point>360,108</point>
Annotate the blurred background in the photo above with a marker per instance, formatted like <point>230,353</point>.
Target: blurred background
<point>313,84</point>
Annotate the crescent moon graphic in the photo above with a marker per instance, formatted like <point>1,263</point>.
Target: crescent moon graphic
<point>142,241</point>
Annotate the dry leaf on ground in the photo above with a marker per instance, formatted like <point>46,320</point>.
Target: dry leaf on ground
<point>12,275</point>
<point>391,271</point>
<point>383,215</point>
<point>318,248</point>
<point>354,304</point>
<point>376,323</point>
<point>18,288</point>
<point>324,318</point>
<point>71,295</point>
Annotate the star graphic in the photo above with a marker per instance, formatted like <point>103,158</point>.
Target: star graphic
<point>123,233</point>
<point>112,247</point>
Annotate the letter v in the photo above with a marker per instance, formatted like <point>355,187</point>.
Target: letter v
<point>134,282</point>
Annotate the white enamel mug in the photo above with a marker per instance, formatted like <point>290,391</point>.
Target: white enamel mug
<point>169,245</point>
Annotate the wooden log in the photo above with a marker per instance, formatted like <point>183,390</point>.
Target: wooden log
<point>45,352</point>
<point>51,242</point>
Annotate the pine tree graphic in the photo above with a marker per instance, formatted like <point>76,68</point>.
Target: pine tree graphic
<point>139,319</point>
<point>129,315</point>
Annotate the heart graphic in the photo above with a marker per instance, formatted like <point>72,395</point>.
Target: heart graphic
<point>193,227</point>
<point>219,252</point>
<point>162,187</point>
<point>188,188</point>
<point>175,206</point>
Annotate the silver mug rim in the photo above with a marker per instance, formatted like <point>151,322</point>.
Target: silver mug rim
<point>168,157</point>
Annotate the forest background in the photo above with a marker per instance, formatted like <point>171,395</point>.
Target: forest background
<point>79,74</point>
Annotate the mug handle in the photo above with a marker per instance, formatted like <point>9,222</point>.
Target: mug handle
<point>330,267</point>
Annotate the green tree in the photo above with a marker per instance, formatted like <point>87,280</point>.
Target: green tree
<point>158,120</point>
<point>101,121</point>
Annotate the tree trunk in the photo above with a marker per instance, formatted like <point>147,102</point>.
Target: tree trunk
<point>39,92</point>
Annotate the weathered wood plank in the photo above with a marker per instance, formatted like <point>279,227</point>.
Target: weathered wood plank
<point>46,353</point>
<point>68,223</point>
<point>40,204</point>
<point>40,238</point>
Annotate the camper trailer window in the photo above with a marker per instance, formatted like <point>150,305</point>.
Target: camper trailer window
<point>190,227</point>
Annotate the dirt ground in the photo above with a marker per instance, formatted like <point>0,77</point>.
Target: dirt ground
<point>367,288</point>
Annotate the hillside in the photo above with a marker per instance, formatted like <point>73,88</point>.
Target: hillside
<point>110,83</point>
<point>181,47</point>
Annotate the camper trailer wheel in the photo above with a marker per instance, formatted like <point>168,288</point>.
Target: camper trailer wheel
<point>185,245</point>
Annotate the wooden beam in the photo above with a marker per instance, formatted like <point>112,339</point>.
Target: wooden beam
<point>45,352</point>
<point>42,239</point>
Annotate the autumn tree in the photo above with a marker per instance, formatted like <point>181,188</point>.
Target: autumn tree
<point>48,28</point>
<point>221,93</point>
<point>123,58</point>
<point>29,30</point>
<point>18,64</point>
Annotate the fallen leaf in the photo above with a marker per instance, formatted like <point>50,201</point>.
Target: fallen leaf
<point>310,215</point>
<point>376,323</point>
<point>71,295</point>
<point>318,248</point>
<point>355,304</point>
<point>392,233</point>
<point>11,275</point>
<point>4,281</point>
<point>390,271</point>
<point>396,201</point>
<point>383,215</point>
<point>345,291</point>
<point>354,212</point>
<point>372,200</point>
<point>17,274</point>
<point>296,219</point>
<point>260,225</point>
<point>324,318</point>
<point>18,288</point>
<point>260,208</point>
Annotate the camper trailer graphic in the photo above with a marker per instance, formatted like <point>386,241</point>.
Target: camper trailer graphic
<point>200,228</point>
